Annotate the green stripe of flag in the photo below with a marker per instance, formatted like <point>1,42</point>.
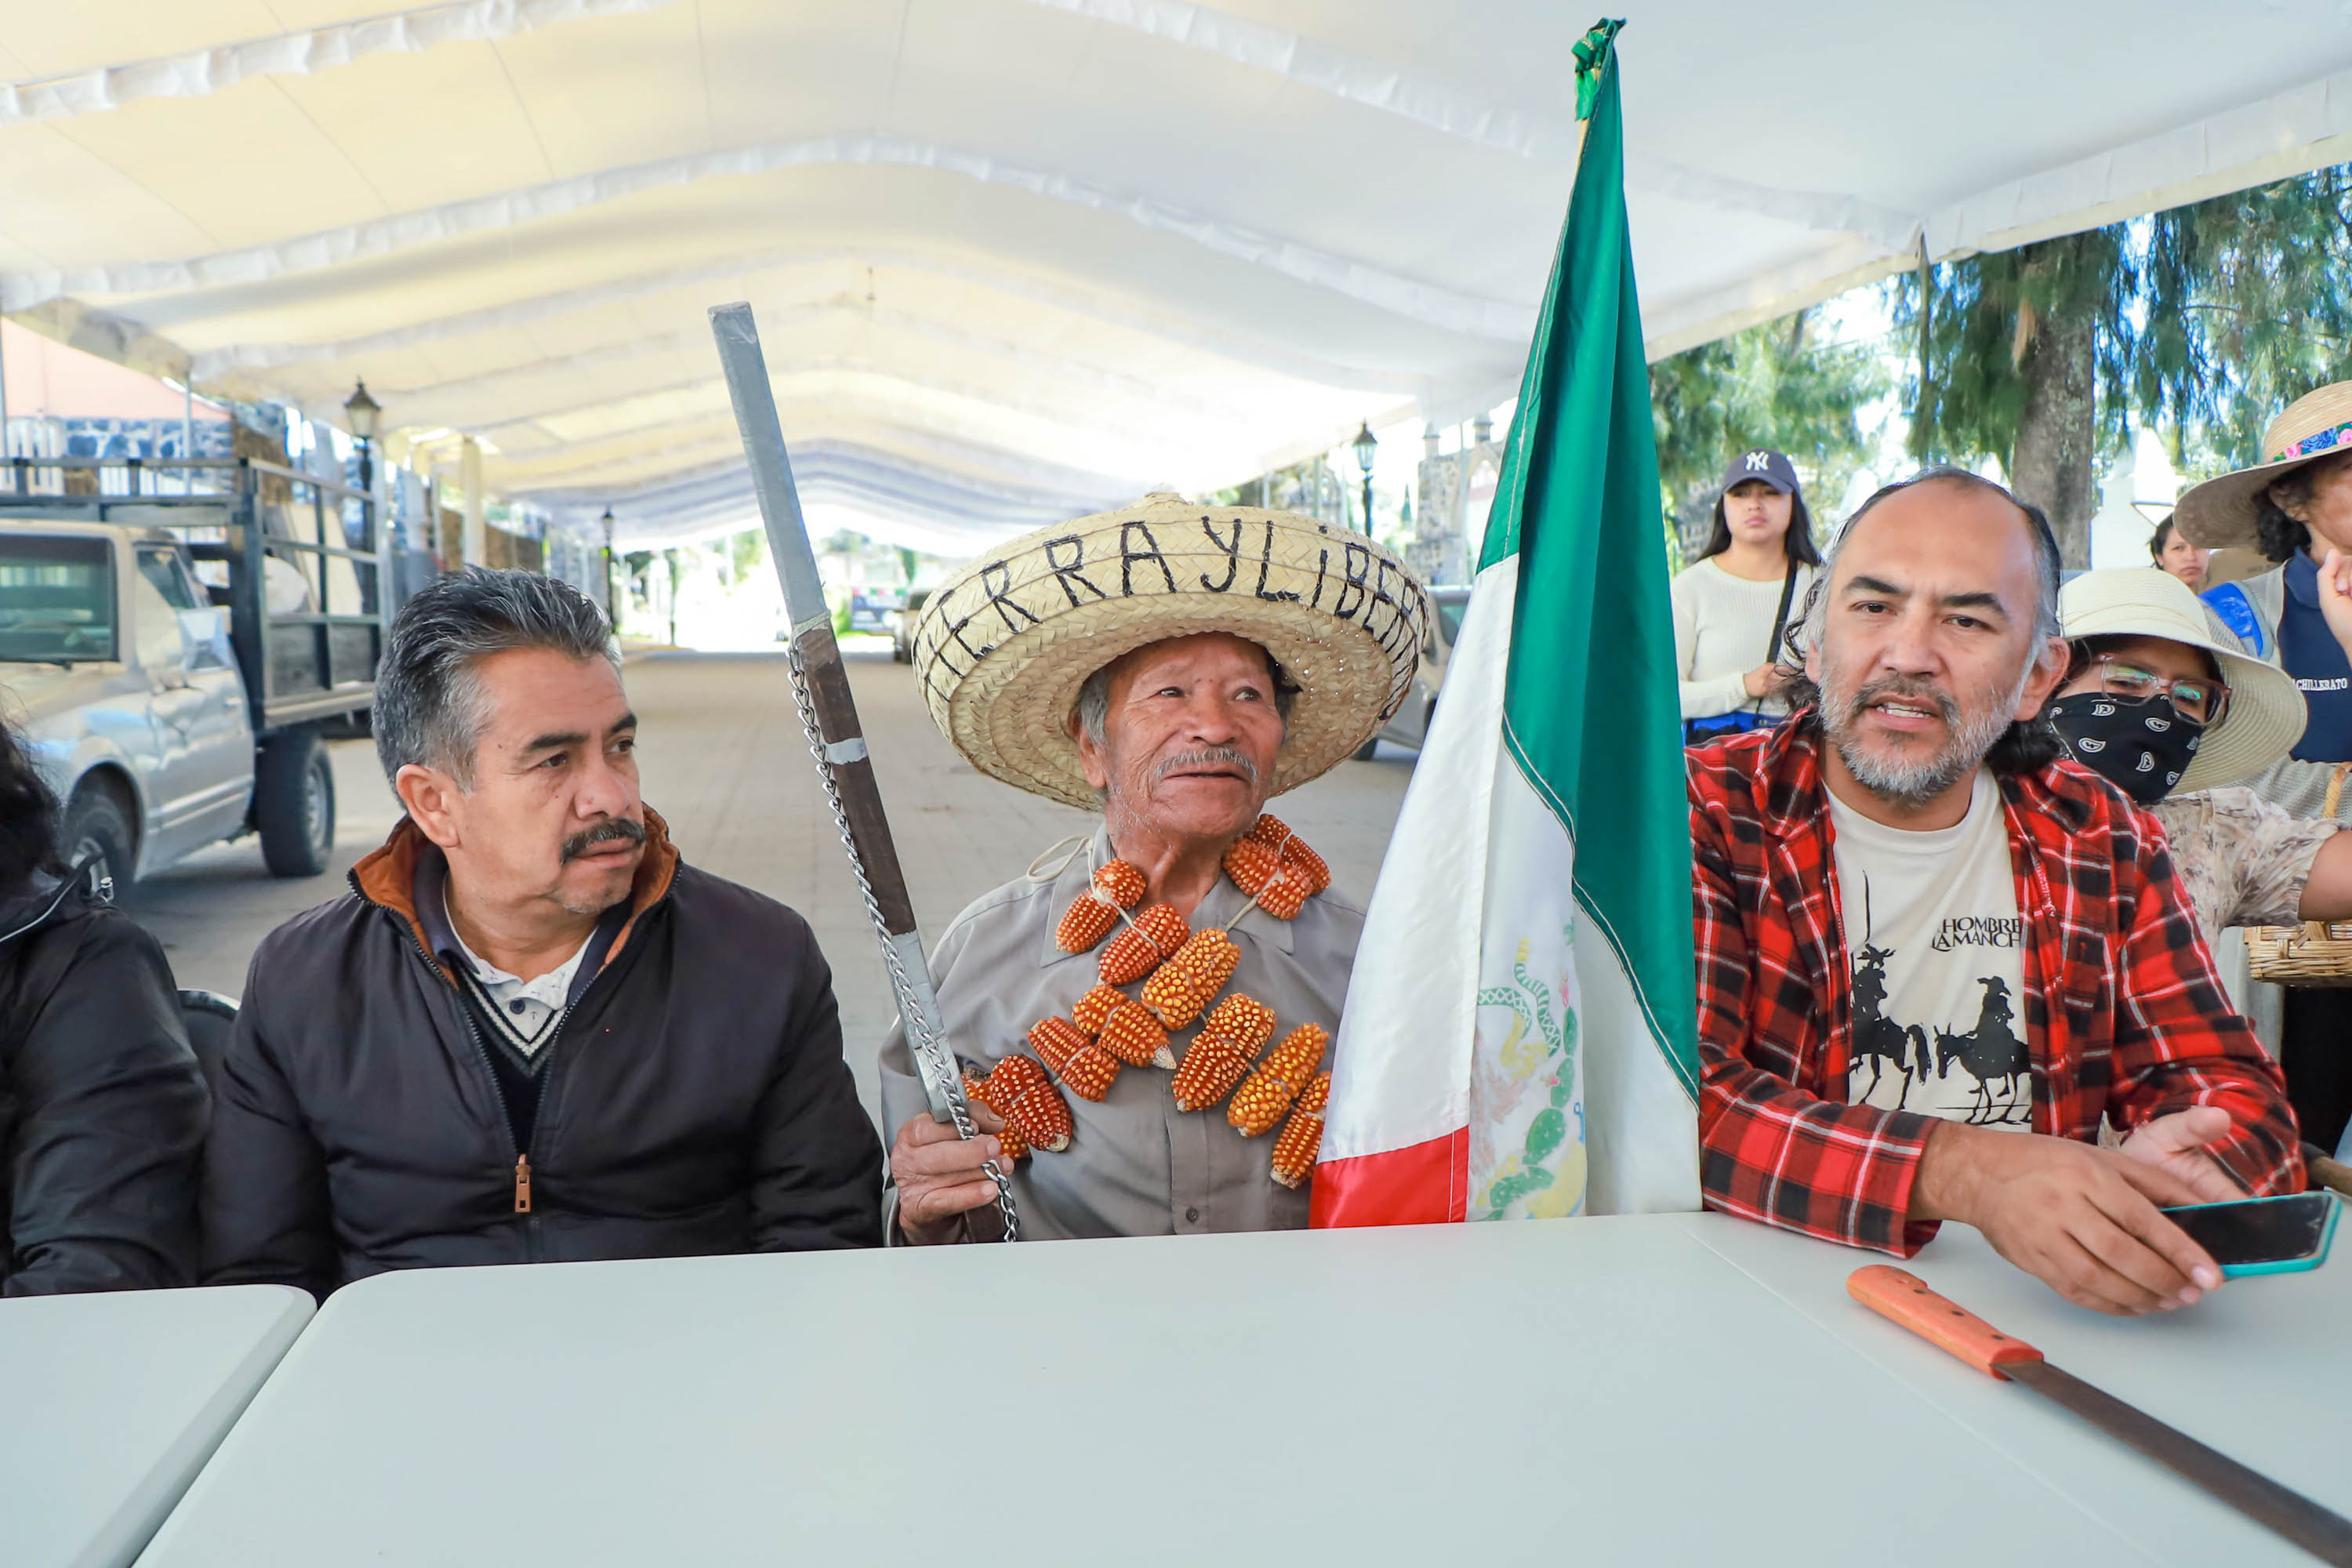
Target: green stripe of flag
<point>1592,714</point>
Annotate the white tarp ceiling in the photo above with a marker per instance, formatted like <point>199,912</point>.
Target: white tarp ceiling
<point>1017,258</point>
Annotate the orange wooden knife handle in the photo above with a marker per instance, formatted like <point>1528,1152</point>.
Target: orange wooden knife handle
<point>1903,1296</point>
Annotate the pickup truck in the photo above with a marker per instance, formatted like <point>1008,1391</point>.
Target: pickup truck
<point>175,658</point>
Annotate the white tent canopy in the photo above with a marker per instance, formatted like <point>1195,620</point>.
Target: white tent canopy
<point>1018,259</point>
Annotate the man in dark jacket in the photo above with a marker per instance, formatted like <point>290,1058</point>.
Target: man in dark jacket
<point>531,1033</point>
<point>101,1103</point>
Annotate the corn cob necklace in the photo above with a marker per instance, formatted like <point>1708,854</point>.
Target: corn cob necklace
<point>1181,970</point>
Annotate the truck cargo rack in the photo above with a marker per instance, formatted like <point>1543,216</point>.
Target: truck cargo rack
<point>301,665</point>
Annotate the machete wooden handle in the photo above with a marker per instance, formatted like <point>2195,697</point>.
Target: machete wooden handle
<point>1903,1296</point>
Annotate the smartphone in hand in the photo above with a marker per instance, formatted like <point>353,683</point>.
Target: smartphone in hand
<point>2262,1236</point>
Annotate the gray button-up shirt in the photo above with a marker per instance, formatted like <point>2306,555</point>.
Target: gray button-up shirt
<point>1135,1165</point>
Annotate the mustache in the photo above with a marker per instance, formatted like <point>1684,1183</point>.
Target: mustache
<point>606,832</point>
<point>1184,761</point>
<point>1921,691</point>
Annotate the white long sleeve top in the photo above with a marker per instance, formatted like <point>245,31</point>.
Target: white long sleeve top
<point>1721,623</point>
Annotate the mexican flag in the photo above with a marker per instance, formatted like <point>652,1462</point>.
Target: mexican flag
<point>1519,1038</point>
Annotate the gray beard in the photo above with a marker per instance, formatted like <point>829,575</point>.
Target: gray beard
<point>1912,784</point>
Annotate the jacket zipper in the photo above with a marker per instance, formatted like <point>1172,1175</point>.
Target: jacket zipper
<point>522,1199</point>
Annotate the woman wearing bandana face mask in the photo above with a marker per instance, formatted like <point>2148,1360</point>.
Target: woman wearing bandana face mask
<point>2169,716</point>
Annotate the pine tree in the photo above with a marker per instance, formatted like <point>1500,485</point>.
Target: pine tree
<point>2248,309</point>
<point>2028,355</point>
<point>2202,321</point>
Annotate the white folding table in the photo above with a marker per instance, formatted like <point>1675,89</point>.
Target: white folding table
<point>1666,1390</point>
<point>2261,1371</point>
<point>110,1403</point>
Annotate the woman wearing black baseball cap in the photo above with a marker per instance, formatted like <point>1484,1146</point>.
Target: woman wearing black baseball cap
<point>1732,603</point>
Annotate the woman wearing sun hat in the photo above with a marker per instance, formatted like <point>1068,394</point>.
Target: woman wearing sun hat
<point>2296,507</point>
<point>2153,703</point>
<point>2169,713</point>
<point>1148,1002</point>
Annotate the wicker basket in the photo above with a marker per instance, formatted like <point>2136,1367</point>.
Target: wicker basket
<point>2315,952</point>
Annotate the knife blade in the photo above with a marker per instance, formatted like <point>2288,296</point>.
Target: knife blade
<point>1907,1300</point>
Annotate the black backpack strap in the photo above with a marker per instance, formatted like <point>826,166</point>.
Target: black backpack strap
<point>1781,615</point>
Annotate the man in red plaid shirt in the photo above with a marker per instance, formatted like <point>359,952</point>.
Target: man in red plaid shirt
<point>1934,956</point>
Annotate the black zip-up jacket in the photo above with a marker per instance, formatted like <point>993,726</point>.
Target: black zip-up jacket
<point>102,1106</point>
<point>694,1099</point>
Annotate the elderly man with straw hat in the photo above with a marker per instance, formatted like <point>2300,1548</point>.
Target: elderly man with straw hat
<point>1143,1016</point>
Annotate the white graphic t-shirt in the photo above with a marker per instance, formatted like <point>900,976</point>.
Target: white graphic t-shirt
<point>1933,935</point>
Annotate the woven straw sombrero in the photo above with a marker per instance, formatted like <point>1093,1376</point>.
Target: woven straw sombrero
<point>1002,647</point>
<point>2221,514</point>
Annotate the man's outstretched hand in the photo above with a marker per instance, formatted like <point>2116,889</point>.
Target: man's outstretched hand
<point>2080,1219</point>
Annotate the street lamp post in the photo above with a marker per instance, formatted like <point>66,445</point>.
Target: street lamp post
<point>612,603</point>
<point>363,413</point>
<point>1366,444</point>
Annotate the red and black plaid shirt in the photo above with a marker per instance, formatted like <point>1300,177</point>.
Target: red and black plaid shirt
<point>2142,1027</point>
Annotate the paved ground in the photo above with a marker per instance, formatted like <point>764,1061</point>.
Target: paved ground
<point>724,763</point>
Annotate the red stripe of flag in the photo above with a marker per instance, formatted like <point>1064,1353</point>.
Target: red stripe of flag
<point>1422,1183</point>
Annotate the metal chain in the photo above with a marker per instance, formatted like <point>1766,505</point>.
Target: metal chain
<point>937,1062</point>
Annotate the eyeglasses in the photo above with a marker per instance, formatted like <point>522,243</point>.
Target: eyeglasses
<point>2200,701</point>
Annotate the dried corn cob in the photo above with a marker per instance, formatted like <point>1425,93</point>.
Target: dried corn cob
<point>1055,1039</point>
<point>1093,914</point>
<point>1252,865</point>
<point>1269,829</point>
<point>1019,1091</point>
<point>1284,894</point>
<point>1218,960</point>
<point>1245,1020</point>
<point>1297,856</point>
<point>1218,1058</point>
<point>1150,941</point>
<point>1280,878</point>
<point>975,1089</point>
<point>1260,1101</point>
<point>1085,922</point>
<point>1272,830</point>
<point>1295,1147</point>
<point>1117,882</point>
<point>1212,1064</point>
<point>1078,1061</point>
<point>1095,1007</point>
<point>1133,1035</point>
<point>1180,988</point>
